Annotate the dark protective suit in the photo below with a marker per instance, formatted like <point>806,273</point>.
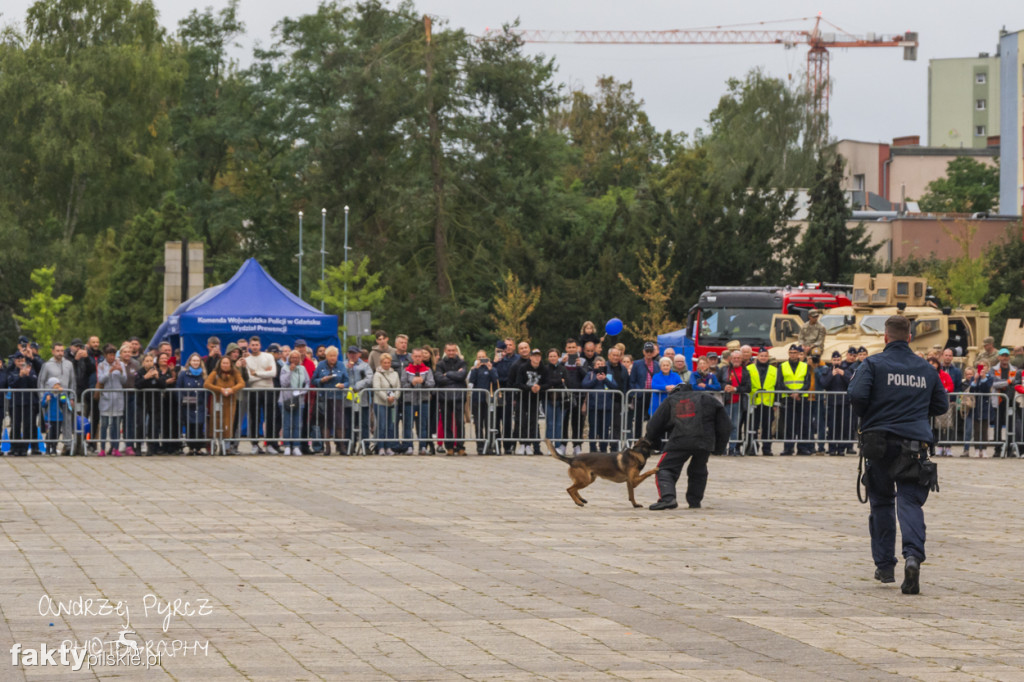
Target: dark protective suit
<point>895,392</point>
<point>697,424</point>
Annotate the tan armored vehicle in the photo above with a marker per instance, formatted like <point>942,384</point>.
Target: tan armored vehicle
<point>874,299</point>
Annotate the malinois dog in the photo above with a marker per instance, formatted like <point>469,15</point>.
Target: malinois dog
<point>620,467</point>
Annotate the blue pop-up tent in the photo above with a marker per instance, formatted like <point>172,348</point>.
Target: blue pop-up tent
<point>252,303</point>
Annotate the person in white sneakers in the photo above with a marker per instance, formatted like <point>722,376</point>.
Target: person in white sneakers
<point>262,371</point>
<point>294,386</point>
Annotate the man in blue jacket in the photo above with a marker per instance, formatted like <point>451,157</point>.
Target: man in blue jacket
<point>894,393</point>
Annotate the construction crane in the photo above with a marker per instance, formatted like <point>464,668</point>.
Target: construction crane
<point>817,57</point>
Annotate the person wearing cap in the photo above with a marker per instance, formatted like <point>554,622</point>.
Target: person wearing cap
<point>504,413</point>
<point>764,380</point>
<point>862,354</point>
<point>1005,379</point>
<point>895,393</point>
<point>989,353</point>
<point>813,333</point>
<point>850,363</point>
<point>838,413</point>
<point>796,381</point>
<point>450,376</point>
<point>57,408</point>
<point>641,377</point>
<point>23,403</point>
<point>531,387</point>
<point>381,347</point>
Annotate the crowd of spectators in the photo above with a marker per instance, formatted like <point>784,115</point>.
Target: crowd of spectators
<point>294,399</point>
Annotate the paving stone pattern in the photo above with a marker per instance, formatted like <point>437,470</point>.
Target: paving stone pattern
<point>481,568</point>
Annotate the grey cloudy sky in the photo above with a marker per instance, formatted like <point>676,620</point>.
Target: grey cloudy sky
<point>876,96</point>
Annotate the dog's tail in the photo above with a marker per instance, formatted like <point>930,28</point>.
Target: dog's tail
<point>554,452</point>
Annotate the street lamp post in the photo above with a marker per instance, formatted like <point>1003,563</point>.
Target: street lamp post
<point>300,254</point>
<point>344,321</point>
<point>323,253</point>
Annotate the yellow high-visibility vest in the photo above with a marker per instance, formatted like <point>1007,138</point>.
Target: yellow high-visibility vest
<point>794,379</point>
<point>762,395</point>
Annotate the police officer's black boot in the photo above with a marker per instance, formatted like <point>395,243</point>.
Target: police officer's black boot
<point>911,576</point>
<point>664,504</point>
<point>885,575</point>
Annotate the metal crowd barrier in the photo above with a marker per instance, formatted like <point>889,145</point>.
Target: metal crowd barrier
<point>804,422</point>
<point>127,421</point>
<point>574,420</point>
<point>318,421</point>
<point>421,421</point>
<point>37,421</point>
<point>977,421</point>
<point>427,420</point>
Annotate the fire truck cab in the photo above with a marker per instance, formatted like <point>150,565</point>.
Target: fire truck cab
<point>744,314</point>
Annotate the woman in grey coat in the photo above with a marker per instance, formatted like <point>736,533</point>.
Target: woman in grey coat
<point>110,378</point>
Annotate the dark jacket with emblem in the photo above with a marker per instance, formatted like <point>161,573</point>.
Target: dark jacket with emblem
<point>896,391</point>
<point>693,420</point>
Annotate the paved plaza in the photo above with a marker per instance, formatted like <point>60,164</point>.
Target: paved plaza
<point>481,568</point>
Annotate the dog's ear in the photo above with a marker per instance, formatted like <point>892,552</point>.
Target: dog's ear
<point>644,445</point>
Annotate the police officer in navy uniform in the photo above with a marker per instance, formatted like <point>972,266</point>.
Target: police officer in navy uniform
<point>697,424</point>
<point>894,393</point>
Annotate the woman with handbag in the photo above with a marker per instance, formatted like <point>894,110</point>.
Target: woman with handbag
<point>294,386</point>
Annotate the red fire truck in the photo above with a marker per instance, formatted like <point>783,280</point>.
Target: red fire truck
<point>744,314</point>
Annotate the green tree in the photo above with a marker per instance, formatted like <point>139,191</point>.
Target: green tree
<point>85,95</point>
<point>965,280</point>
<point>969,187</point>
<point>655,288</point>
<point>42,318</point>
<point>134,300</point>
<point>763,122</point>
<point>513,305</point>
<point>830,250</point>
<point>1005,275</point>
<point>351,286</point>
<point>613,141</point>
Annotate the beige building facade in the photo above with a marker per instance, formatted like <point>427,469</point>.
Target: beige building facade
<point>901,171</point>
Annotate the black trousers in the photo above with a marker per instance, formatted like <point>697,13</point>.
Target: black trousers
<point>670,467</point>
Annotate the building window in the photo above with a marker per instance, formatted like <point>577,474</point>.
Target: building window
<point>979,104</point>
<point>980,78</point>
<point>979,131</point>
<point>858,183</point>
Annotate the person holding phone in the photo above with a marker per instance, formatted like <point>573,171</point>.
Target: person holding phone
<point>483,380</point>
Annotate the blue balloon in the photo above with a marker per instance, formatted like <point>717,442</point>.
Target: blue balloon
<point>613,326</point>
